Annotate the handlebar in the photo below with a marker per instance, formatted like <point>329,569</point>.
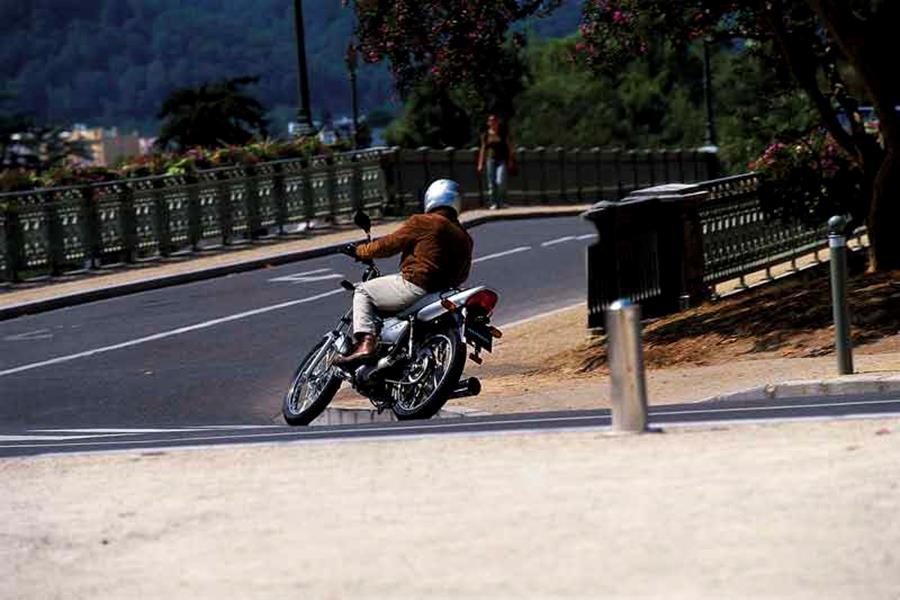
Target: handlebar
<point>371,271</point>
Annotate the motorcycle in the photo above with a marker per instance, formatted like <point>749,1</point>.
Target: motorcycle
<point>419,359</point>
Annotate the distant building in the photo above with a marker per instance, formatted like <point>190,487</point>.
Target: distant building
<point>107,146</point>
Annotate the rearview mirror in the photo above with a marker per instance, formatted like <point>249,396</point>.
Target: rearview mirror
<point>362,220</point>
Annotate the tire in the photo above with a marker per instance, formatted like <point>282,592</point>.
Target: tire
<point>297,411</point>
<point>438,395</point>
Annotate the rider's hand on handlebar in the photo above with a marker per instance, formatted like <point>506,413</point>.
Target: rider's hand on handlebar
<point>350,250</point>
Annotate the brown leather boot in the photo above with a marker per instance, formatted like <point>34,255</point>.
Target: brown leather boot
<point>365,349</point>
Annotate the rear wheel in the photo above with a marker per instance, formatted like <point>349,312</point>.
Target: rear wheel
<point>313,386</point>
<point>430,377</point>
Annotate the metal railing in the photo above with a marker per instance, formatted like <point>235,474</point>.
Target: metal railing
<point>546,175</point>
<point>52,231</point>
<point>59,230</point>
<point>667,247</point>
<point>739,238</point>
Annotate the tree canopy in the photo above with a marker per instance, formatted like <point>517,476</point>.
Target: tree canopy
<point>211,115</point>
<point>836,51</point>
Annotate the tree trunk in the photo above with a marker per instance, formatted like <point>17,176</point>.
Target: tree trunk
<point>884,215</point>
<point>868,39</point>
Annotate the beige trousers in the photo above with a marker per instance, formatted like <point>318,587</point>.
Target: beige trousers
<point>388,294</point>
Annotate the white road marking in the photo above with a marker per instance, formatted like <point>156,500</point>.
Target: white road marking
<point>37,334</point>
<point>504,253</point>
<point>788,406</point>
<point>138,430</point>
<point>589,236</point>
<point>98,431</point>
<point>308,276</point>
<point>44,438</point>
<point>167,334</point>
<point>567,238</point>
<point>298,435</point>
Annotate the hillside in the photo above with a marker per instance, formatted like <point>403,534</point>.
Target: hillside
<point>111,62</point>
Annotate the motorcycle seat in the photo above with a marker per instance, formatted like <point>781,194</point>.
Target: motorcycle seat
<point>420,304</point>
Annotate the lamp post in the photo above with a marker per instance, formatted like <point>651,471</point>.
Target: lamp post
<point>351,61</point>
<point>711,141</point>
<point>304,119</point>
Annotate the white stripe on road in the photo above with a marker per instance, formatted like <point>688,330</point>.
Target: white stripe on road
<point>567,238</point>
<point>589,236</point>
<point>308,276</point>
<point>41,438</point>
<point>297,435</point>
<point>170,333</point>
<point>504,253</point>
<point>789,406</point>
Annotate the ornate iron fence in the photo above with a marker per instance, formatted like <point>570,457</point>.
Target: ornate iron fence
<point>668,246</point>
<point>740,238</point>
<point>545,175</point>
<point>52,231</point>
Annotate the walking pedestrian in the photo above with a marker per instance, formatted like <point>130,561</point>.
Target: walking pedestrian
<point>496,157</point>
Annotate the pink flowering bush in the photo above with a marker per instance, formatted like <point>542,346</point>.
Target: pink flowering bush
<point>608,34</point>
<point>810,178</point>
<point>167,163</point>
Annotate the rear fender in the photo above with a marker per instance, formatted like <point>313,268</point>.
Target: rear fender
<point>435,310</point>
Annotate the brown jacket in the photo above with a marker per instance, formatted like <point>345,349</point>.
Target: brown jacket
<point>436,251</point>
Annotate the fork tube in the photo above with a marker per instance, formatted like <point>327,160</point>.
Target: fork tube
<point>412,325</point>
<point>320,354</point>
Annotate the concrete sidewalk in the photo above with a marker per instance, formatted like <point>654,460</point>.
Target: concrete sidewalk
<point>801,510</point>
<point>84,287</point>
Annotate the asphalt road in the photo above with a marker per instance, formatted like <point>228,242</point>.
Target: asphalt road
<point>221,351</point>
<point>31,441</point>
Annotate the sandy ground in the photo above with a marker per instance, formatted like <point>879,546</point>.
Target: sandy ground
<point>802,510</point>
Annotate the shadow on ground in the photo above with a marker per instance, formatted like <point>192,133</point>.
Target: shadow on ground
<point>790,318</point>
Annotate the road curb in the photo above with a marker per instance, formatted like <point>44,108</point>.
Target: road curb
<point>336,415</point>
<point>163,281</point>
<point>838,386</point>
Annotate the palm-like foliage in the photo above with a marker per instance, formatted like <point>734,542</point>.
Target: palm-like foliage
<point>211,115</point>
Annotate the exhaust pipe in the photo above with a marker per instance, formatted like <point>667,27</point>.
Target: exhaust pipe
<point>467,387</point>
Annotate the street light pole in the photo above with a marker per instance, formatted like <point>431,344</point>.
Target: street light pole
<point>304,115</point>
<point>351,68</point>
<point>711,140</point>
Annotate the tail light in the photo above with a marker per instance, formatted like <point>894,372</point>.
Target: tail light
<point>485,300</point>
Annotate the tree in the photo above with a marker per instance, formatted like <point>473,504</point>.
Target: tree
<point>430,117</point>
<point>437,114</point>
<point>836,51</point>
<point>211,115</point>
<point>453,44</point>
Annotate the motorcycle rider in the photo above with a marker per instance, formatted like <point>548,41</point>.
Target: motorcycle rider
<point>436,254</point>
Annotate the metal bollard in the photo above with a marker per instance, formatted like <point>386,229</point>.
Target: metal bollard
<point>626,367</point>
<point>837,249</point>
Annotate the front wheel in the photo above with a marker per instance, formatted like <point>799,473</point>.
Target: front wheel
<point>313,386</point>
<point>430,377</point>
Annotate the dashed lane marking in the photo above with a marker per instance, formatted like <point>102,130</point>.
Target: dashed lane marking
<point>308,276</point>
<point>504,253</point>
<point>560,240</point>
<point>28,336</point>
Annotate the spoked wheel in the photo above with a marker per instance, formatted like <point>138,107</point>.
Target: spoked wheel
<point>429,378</point>
<point>313,386</point>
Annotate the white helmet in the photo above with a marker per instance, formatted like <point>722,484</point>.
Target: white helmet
<point>443,192</point>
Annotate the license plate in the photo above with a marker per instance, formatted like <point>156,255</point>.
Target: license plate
<point>479,336</point>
